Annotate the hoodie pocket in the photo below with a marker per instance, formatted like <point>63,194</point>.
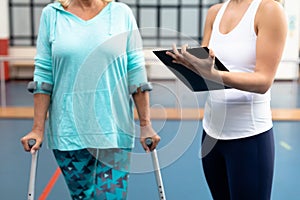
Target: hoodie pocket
<point>87,113</point>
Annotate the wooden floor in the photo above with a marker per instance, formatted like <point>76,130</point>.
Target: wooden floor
<point>156,114</point>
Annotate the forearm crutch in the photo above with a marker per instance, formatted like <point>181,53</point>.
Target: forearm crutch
<point>160,185</point>
<point>33,167</point>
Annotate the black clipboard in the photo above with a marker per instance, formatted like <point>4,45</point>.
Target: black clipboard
<point>192,80</point>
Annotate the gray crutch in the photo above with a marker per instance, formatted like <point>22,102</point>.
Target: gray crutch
<point>160,185</point>
<point>33,167</point>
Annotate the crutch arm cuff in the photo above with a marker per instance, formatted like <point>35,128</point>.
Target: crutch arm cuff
<point>39,87</point>
<point>144,87</point>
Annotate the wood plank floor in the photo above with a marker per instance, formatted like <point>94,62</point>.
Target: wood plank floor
<point>156,114</point>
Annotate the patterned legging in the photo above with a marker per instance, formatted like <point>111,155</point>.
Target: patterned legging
<point>95,174</point>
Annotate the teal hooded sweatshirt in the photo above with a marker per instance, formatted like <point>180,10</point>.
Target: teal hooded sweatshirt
<point>91,65</point>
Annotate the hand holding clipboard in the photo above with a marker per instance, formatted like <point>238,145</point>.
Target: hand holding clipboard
<point>189,69</point>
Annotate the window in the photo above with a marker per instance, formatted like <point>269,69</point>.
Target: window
<point>24,18</point>
<point>161,21</point>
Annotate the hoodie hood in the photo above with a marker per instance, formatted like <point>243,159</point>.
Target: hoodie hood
<point>58,7</point>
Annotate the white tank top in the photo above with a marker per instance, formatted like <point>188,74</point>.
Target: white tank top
<point>232,113</point>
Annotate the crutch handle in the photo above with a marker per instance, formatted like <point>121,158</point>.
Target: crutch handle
<point>31,143</point>
<point>149,142</point>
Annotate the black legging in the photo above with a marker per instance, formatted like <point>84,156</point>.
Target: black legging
<point>239,169</point>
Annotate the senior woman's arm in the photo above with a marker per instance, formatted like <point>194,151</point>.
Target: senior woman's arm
<point>141,100</point>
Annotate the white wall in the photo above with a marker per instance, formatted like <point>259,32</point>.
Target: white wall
<point>4,31</point>
<point>289,68</point>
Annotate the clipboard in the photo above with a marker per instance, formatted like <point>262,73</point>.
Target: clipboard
<point>192,80</point>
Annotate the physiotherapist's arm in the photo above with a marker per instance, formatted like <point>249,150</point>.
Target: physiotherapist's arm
<point>271,36</point>
<point>209,21</point>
